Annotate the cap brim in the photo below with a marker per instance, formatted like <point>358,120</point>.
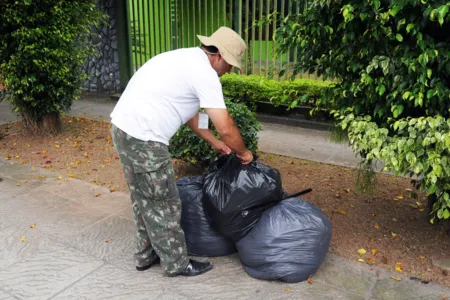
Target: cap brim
<point>207,41</point>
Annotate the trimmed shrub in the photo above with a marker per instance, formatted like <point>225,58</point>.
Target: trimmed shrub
<point>185,144</point>
<point>253,88</point>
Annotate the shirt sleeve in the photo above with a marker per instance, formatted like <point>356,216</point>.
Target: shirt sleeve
<point>208,89</point>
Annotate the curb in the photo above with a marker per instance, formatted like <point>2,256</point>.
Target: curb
<point>294,122</point>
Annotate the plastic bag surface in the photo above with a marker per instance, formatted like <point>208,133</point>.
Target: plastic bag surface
<point>201,239</point>
<point>235,195</point>
<point>289,242</point>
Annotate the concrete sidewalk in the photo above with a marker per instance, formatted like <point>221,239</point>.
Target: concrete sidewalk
<point>81,247</point>
<point>59,241</point>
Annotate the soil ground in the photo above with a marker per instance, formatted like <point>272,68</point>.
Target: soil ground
<point>389,224</point>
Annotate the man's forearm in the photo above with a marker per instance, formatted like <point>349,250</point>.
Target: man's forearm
<point>204,134</point>
<point>230,135</point>
<point>232,138</point>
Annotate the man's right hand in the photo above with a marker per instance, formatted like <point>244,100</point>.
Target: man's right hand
<point>246,157</point>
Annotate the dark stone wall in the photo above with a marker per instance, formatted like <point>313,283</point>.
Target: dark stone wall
<point>103,69</point>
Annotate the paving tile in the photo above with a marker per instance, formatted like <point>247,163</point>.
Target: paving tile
<point>12,188</point>
<point>109,202</point>
<point>89,195</point>
<point>386,288</point>
<point>13,249</point>
<point>6,296</point>
<point>68,220</point>
<point>109,282</point>
<point>108,239</point>
<point>127,212</point>
<point>324,291</point>
<point>344,275</point>
<point>47,272</point>
<point>228,280</point>
<point>24,204</point>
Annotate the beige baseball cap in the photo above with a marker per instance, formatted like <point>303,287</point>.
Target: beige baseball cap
<point>231,46</point>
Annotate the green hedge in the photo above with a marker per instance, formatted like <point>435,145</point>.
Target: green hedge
<point>185,144</point>
<point>253,88</point>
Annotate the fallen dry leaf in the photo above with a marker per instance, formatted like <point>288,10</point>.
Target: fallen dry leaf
<point>394,219</point>
<point>362,251</point>
<point>371,260</point>
<point>399,197</point>
<point>444,297</point>
<point>33,226</point>
<point>310,280</point>
<point>412,218</point>
<point>287,289</point>
<point>108,240</point>
<point>22,239</point>
<point>374,251</point>
<point>112,190</point>
<point>59,177</point>
<point>398,269</point>
<point>376,226</point>
<point>71,175</point>
<point>422,257</point>
<point>18,184</point>
<point>347,190</point>
<point>340,211</point>
<point>396,278</point>
<point>399,263</point>
<point>361,260</point>
<point>57,146</point>
<point>393,234</point>
<point>97,195</point>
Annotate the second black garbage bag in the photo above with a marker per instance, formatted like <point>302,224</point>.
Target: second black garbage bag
<point>289,242</point>
<point>235,195</point>
<point>201,239</point>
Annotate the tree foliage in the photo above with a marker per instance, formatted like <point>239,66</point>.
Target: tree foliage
<point>43,46</point>
<point>390,61</point>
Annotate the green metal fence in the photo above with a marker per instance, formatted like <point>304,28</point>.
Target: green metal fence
<point>157,26</point>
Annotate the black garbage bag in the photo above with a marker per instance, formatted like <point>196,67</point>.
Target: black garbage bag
<point>289,242</point>
<point>201,239</point>
<point>235,195</point>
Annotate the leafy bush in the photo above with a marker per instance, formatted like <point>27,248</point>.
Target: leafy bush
<point>185,144</point>
<point>391,60</point>
<point>253,88</point>
<point>43,46</point>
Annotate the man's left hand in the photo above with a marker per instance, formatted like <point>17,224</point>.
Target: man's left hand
<point>220,147</point>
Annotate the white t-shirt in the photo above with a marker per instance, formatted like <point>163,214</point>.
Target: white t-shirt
<point>165,93</point>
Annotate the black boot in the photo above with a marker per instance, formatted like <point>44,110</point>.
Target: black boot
<point>196,268</point>
<point>155,260</point>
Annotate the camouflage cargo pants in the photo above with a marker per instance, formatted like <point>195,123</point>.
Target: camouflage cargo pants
<point>156,204</point>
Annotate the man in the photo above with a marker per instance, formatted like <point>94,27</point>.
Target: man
<point>165,93</point>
